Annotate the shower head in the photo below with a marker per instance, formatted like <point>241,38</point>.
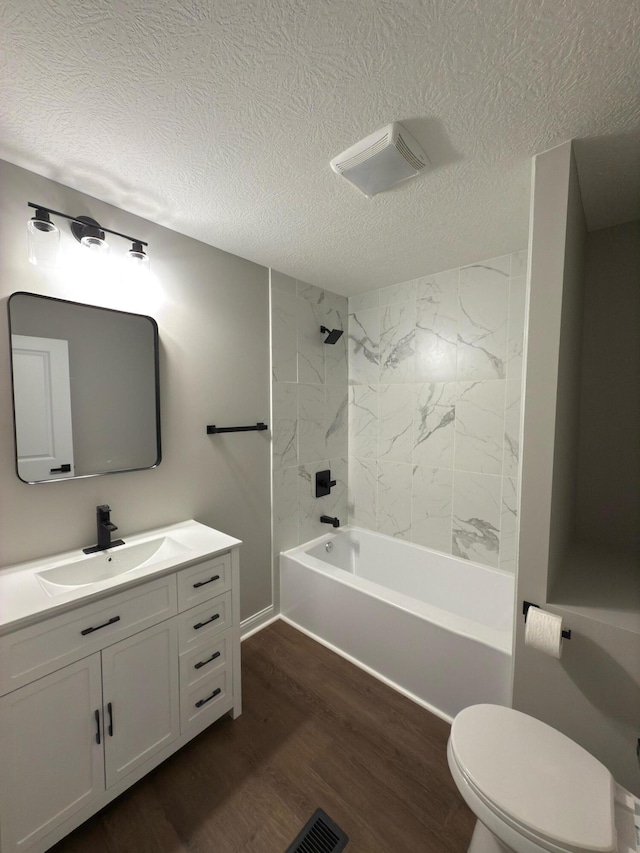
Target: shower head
<point>333,334</point>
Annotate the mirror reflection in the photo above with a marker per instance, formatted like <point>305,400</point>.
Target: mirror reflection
<point>85,389</point>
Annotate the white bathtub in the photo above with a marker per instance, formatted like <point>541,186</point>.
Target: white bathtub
<point>435,627</point>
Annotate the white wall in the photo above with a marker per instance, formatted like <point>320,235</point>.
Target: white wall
<point>435,374</point>
<point>212,309</point>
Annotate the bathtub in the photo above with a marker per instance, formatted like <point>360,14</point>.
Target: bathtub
<point>434,627</point>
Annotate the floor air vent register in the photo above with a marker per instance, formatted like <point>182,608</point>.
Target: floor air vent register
<point>319,835</point>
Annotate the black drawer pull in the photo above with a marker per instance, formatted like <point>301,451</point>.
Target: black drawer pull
<point>97,726</point>
<point>204,583</point>
<point>208,660</point>
<point>202,624</point>
<point>110,710</point>
<point>209,698</point>
<point>97,627</point>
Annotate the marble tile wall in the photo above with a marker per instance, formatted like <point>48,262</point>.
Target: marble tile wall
<point>435,378</point>
<point>309,409</point>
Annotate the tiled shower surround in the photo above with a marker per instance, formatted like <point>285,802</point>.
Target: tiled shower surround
<point>421,417</point>
<point>435,375</point>
<point>310,402</point>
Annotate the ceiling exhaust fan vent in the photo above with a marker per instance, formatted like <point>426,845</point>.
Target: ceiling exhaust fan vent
<point>380,161</point>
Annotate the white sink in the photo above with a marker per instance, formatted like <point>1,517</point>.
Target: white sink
<point>108,564</point>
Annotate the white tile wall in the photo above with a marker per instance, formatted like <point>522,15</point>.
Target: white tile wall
<point>310,407</point>
<point>435,376</point>
<point>416,411</point>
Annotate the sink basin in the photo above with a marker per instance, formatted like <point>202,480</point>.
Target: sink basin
<point>108,564</point>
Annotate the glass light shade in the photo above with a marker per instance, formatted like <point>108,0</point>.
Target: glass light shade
<point>44,242</point>
<point>138,258</point>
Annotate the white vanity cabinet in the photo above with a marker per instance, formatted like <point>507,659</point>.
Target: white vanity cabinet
<point>95,697</point>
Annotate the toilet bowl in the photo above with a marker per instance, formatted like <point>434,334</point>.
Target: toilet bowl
<point>534,790</point>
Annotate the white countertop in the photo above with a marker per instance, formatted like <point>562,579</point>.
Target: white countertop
<point>24,600</point>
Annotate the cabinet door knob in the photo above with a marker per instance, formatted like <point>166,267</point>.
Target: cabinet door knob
<point>110,710</point>
<point>98,727</point>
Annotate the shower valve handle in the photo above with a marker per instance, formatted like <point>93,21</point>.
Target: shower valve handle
<point>324,483</point>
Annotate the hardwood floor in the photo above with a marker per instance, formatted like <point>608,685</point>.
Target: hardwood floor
<point>315,731</point>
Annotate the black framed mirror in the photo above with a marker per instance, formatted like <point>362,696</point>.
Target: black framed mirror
<point>86,395</point>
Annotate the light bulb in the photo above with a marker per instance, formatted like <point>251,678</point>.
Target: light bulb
<point>93,239</point>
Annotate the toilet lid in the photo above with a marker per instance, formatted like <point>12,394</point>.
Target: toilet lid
<point>536,777</point>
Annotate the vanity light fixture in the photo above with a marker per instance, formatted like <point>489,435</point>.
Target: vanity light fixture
<point>86,230</point>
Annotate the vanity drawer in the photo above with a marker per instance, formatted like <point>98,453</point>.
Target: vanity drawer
<point>201,704</point>
<point>199,624</point>
<point>35,651</point>
<point>205,660</point>
<point>203,581</point>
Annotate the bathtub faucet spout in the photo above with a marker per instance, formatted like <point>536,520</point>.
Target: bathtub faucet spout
<point>326,519</point>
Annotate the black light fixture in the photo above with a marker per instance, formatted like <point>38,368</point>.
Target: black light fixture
<point>86,230</point>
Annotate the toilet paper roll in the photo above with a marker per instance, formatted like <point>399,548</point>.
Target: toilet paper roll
<point>543,631</point>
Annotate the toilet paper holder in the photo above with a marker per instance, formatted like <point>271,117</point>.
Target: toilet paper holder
<point>525,609</point>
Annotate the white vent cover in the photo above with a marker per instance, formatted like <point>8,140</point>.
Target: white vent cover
<point>380,161</point>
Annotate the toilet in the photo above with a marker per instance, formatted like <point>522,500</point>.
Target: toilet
<point>534,790</point>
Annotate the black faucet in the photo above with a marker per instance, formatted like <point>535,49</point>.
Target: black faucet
<point>105,529</point>
<point>326,519</point>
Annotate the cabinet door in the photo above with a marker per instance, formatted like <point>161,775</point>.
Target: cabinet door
<point>51,752</point>
<point>140,694</point>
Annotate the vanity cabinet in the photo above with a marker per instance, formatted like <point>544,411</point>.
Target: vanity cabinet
<point>96,697</point>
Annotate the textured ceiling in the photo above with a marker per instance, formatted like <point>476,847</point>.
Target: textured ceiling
<point>218,118</point>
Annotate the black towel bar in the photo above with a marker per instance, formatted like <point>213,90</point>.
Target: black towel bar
<point>212,429</point>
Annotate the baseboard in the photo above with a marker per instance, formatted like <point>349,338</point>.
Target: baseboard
<point>255,623</point>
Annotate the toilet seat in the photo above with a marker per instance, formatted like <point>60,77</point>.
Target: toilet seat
<point>533,780</point>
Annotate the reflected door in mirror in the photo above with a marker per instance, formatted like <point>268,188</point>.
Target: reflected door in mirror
<point>42,400</point>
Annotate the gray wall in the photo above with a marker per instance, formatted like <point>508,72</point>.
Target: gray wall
<point>592,693</point>
<point>608,488</point>
<point>567,397</point>
<point>212,309</point>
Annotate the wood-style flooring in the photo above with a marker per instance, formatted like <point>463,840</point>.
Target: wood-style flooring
<point>315,731</point>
